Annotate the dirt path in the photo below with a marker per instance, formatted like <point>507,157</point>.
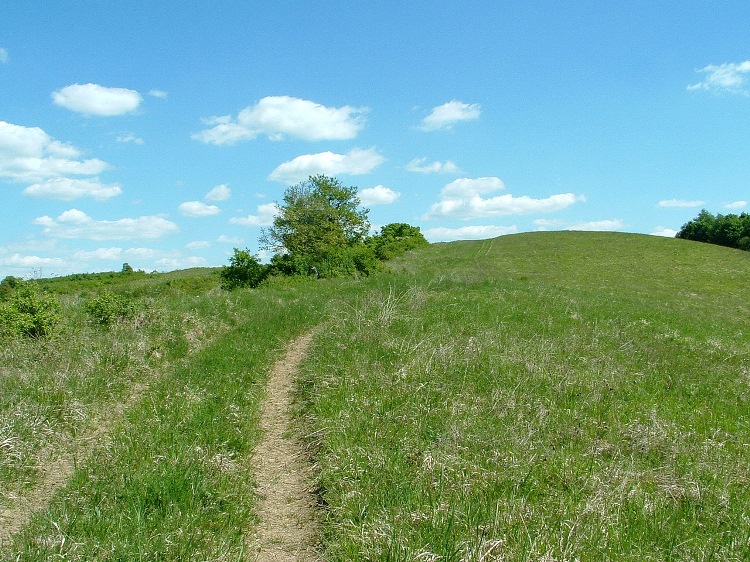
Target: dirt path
<point>286,504</point>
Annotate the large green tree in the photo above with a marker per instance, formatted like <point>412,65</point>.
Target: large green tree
<point>318,220</point>
<point>725,230</point>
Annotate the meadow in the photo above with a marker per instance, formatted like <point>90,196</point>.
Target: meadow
<point>544,396</point>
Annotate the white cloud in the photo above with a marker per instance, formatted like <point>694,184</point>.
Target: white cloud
<point>378,195</point>
<point>661,231</point>
<point>283,116</point>
<point>265,216</point>
<point>198,245</point>
<point>463,199</point>
<point>93,99</point>
<point>467,233</point>
<point>157,94</point>
<point>108,254</point>
<point>77,224</point>
<point>141,253</point>
<point>129,137</point>
<point>197,209</point>
<point>180,262</point>
<point>446,115</point>
<point>419,166</point>
<point>21,261</point>
<point>730,77</point>
<point>67,189</point>
<point>4,57</point>
<point>219,193</point>
<point>356,161</point>
<point>28,154</point>
<point>598,226</point>
<point>602,225</point>
<point>224,239</point>
<point>736,205</point>
<point>544,224</point>
<point>680,203</point>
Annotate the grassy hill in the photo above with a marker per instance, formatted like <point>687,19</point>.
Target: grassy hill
<point>545,396</point>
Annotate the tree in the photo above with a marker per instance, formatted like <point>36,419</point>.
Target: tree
<point>244,270</point>
<point>396,239</point>
<point>317,226</point>
<point>724,230</point>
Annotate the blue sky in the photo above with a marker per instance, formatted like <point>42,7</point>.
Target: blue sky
<point>160,134</point>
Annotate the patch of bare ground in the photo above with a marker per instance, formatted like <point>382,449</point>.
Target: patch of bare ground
<point>58,468</point>
<point>286,506</point>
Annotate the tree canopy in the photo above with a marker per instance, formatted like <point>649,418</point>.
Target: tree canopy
<point>729,230</point>
<point>317,216</point>
<point>320,230</point>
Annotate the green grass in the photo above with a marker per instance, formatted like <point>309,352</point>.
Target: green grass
<point>554,396</point>
<point>546,396</point>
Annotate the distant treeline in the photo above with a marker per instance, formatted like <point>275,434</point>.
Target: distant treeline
<point>730,230</point>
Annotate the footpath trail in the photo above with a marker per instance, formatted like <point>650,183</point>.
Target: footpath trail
<point>286,505</point>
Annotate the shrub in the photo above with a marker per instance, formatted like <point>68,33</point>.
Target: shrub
<point>29,312</point>
<point>396,239</point>
<point>108,308</point>
<point>244,270</point>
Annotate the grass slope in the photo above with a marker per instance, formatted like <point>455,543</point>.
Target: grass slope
<point>547,396</point>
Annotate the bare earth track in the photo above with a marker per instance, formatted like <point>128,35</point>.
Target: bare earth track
<point>286,503</point>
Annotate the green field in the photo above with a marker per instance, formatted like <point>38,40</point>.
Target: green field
<point>546,396</point>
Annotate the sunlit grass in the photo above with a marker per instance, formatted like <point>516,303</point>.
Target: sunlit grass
<point>550,396</point>
<point>554,396</point>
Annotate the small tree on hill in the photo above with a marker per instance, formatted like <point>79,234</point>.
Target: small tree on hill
<point>244,270</point>
<point>319,227</point>
<point>396,239</point>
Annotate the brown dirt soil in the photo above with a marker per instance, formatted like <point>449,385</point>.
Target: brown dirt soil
<point>286,505</point>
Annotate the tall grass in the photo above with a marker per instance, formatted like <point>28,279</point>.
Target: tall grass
<point>172,477</point>
<point>555,396</point>
<point>552,396</point>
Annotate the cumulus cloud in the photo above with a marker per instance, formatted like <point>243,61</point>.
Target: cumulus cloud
<point>28,154</point>
<point>598,226</point>
<point>378,195</point>
<point>602,225</point>
<point>157,94</point>
<point>67,189</point>
<point>198,245</point>
<point>278,117</point>
<point>180,262</point>
<point>93,99</point>
<point>680,203</point>
<point>662,231</point>
<point>265,216</point>
<point>105,254</point>
<point>467,233</point>
<point>420,166</point>
<point>198,209</point>
<point>77,224</point>
<point>446,115</point>
<point>730,77</point>
<point>30,262</point>
<point>219,193</point>
<point>224,239</point>
<point>462,199</point>
<point>355,162</point>
<point>4,57</point>
<point>736,205</point>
